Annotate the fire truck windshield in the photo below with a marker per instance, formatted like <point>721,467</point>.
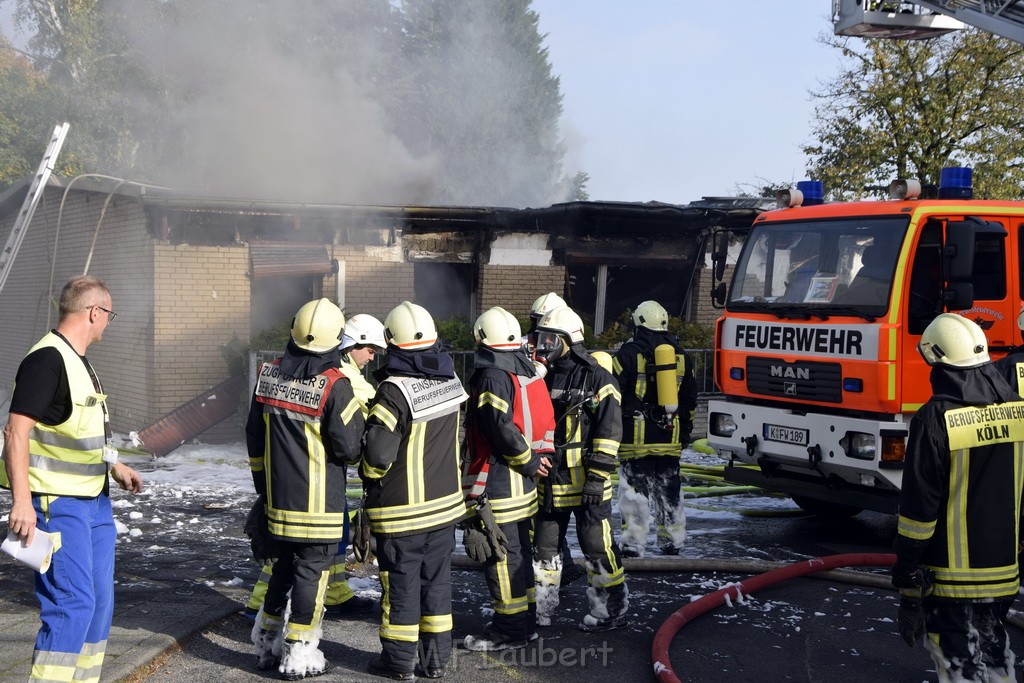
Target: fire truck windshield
<point>824,266</point>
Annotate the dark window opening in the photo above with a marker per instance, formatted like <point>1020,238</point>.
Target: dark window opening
<point>275,300</point>
<point>627,286</point>
<point>444,289</point>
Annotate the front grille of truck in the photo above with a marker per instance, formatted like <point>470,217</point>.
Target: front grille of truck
<point>801,381</point>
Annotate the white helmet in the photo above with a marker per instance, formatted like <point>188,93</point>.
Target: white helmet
<point>409,326</point>
<point>318,326</point>
<point>364,330</point>
<point>1020,320</point>
<point>564,321</point>
<point>545,303</point>
<point>498,329</point>
<point>953,340</point>
<point>652,315</point>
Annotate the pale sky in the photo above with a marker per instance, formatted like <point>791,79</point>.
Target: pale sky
<point>672,100</point>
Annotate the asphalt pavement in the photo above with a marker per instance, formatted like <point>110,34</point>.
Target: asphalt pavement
<point>183,573</point>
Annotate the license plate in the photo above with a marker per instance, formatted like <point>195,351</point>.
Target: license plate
<point>782,434</point>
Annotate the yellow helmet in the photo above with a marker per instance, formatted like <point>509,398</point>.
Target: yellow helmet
<point>498,329</point>
<point>318,326</point>
<point>652,315</point>
<point>409,326</point>
<point>953,340</point>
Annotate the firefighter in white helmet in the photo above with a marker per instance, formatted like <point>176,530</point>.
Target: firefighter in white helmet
<point>411,476</point>
<point>303,431</point>
<point>509,430</point>
<point>587,433</point>
<point>656,427</point>
<point>960,508</point>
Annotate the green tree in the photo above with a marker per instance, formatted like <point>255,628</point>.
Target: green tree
<point>485,101</point>
<point>909,108</point>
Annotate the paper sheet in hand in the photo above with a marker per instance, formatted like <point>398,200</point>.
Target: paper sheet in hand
<point>37,556</point>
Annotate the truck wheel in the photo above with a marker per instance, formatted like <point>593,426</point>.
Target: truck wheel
<point>823,508</point>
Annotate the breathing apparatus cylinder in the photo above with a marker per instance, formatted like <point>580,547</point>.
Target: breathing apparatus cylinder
<point>665,374</point>
<point>604,359</point>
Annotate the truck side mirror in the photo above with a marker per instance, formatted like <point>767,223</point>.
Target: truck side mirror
<point>719,254</point>
<point>958,296</point>
<point>718,295</point>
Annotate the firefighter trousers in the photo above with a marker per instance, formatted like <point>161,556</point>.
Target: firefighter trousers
<point>76,595</point>
<point>416,620</point>
<point>338,590</point>
<point>605,573</point>
<point>968,640</point>
<point>647,485</point>
<point>302,569</point>
<point>510,582</point>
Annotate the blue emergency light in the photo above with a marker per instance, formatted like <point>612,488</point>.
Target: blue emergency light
<point>813,191</point>
<point>955,183</point>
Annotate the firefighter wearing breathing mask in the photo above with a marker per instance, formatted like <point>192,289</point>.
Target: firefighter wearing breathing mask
<point>659,394</point>
<point>541,305</point>
<point>588,427</point>
<point>960,509</point>
<point>509,431</point>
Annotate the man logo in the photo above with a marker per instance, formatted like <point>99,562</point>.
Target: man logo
<point>984,324</point>
<point>789,388</point>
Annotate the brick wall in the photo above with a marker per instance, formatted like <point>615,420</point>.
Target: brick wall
<point>515,288</point>
<point>122,257</point>
<point>201,301</point>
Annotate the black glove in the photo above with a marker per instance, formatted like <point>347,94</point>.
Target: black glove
<point>910,620</point>
<point>478,548</point>
<point>495,536</point>
<point>265,548</point>
<point>361,547</point>
<point>593,491</point>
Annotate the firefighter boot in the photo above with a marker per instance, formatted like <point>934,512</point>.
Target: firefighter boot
<point>548,574</point>
<point>302,659</point>
<point>607,608</point>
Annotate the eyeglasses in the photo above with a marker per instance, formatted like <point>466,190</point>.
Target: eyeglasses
<point>110,314</point>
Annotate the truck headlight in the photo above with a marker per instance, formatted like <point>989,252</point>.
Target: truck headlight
<point>859,445</point>
<point>722,424</point>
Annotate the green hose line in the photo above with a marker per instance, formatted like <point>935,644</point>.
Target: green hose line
<point>750,512</point>
<point>710,491</point>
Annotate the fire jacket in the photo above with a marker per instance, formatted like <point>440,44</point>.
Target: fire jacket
<point>642,433</point>
<point>67,459</point>
<point>301,434</point>
<point>588,413</point>
<point>960,506</point>
<point>509,426</point>
<point>1011,367</point>
<point>410,467</point>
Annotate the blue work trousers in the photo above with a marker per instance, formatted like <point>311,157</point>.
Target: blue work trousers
<point>76,594</point>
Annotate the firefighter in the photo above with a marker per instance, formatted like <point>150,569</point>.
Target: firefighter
<point>411,477</point>
<point>588,429</point>
<point>654,433</point>
<point>960,509</point>
<point>1011,366</point>
<point>362,340</point>
<point>541,305</point>
<point>509,432</point>
<point>304,428</point>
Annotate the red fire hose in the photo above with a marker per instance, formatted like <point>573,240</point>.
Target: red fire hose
<point>663,638</point>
